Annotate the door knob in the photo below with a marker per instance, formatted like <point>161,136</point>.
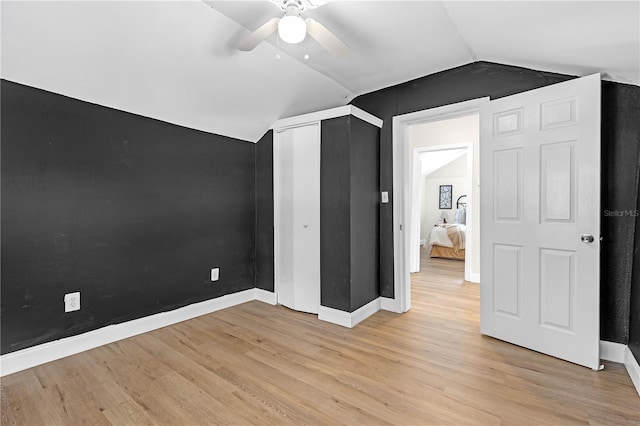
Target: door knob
<point>586,238</point>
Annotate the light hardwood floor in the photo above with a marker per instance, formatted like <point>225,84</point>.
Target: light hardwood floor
<point>260,364</point>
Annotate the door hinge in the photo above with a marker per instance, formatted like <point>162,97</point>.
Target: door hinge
<point>401,227</point>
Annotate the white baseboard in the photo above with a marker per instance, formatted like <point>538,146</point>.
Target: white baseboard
<point>611,351</point>
<point>349,319</point>
<point>365,311</point>
<point>388,304</point>
<point>474,278</point>
<point>266,296</point>
<point>334,316</point>
<point>50,351</point>
<point>618,352</point>
<point>633,368</point>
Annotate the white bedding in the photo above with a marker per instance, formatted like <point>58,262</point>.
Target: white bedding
<point>439,237</point>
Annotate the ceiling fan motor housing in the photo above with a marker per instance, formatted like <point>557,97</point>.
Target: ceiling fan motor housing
<point>300,5</point>
<point>293,7</point>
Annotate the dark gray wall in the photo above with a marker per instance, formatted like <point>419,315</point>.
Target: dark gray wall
<point>264,212</point>
<point>349,204</point>
<point>130,211</point>
<point>619,195</point>
<point>620,129</point>
<point>365,212</point>
<point>634,316</point>
<point>335,207</point>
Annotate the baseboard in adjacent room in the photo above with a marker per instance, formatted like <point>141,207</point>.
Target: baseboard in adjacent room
<point>349,319</point>
<point>50,351</point>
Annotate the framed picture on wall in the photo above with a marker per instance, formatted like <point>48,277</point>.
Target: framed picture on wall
<point>446,195</point>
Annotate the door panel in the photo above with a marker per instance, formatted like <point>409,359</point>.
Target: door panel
<point>283,215</point>
<point>297,217</point>
<point>557,289</point>
<point>507,266</point>
<point>540,190</point>
<point>507,177</point>
<point>558,182</point>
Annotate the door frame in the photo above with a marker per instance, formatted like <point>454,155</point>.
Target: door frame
<point>415,209</point>
<point>401,209</point>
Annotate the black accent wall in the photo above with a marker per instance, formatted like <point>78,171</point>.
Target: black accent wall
<point>349,213</point>
<point>620,159</point>
<point>335,218</point>
<point>620,130</point>
<point>634,316</point>
<point>264,212</point>
<point>130,211</point>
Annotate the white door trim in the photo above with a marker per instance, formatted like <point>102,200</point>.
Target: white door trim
<point>401,211</point>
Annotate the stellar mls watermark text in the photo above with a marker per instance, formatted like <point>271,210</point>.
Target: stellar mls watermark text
<point>621,213</point>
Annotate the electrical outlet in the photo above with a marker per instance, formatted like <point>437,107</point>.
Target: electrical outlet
<point>72,302</point>
<point>215,274</point>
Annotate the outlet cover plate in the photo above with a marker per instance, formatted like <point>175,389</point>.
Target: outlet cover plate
<point>72,302</point>
<point>215,274</point>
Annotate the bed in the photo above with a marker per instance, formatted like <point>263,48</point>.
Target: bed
<point>447,241</point>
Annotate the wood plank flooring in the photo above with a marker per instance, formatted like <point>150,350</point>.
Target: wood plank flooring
<point>261,364</point>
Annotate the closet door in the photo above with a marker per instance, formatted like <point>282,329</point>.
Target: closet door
<point>296,157</point>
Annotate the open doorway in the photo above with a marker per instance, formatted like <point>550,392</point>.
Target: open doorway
<point>438,210</point>
<point>403,174</point>
<point>440,188</point>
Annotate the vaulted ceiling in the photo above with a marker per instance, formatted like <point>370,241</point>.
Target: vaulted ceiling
<point>176,60</point>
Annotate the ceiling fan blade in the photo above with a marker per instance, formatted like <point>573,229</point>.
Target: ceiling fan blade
<point>256,37</point>
<point>326,38</point>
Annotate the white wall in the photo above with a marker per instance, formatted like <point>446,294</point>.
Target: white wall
<point>450,132</point>
<point>454,173</point>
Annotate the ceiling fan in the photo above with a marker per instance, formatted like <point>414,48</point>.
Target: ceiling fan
<point>292,28</point>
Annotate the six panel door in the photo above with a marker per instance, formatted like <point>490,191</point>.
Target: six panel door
<point>540,198</point>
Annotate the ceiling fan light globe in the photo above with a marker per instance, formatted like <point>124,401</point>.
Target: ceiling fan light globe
<point>292,29</point>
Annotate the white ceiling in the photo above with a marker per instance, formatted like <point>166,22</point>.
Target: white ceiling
<point>176,61</point>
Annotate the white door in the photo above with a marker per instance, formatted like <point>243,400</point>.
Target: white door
<point>540,198</point>
<point>296,157</point>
